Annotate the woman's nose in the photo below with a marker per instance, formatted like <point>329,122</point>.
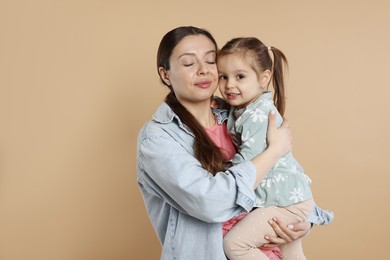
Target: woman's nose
<point>203,69</point>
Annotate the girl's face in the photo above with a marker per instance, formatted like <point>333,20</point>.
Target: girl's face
<point>239,83</point>
<point>193,71</point>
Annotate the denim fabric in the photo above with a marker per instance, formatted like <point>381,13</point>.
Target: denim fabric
<point>320,216</point>
<point>186,204</point>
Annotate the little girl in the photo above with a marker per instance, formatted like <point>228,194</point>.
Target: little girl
<point>246,70</point>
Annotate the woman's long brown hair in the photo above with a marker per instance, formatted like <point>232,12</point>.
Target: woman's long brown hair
<point>205,150</point>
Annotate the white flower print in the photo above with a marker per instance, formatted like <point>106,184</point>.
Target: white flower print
<point>296,195</point>
<point>266,183</point>
<point>294,169</point>
<point>268,104</point>
<point>279,178</point>
<point>258,115</point>
<point>307,179</point>
<point>281,162</point>
<point>246,138</point>
<point>260,202</point>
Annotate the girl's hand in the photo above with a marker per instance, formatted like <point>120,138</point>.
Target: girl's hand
<point>214,103</point>
<point>278,139</point>
<point>286,233</point>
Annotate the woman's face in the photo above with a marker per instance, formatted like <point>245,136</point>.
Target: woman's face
<point>193,71</point>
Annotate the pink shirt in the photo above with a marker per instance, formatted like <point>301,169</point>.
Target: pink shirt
<point>220,136</point>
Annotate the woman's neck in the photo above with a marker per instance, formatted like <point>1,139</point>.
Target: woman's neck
<point>203,113</point>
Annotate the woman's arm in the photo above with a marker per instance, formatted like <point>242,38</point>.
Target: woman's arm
<point>279,143</point>
<point>168,169</point>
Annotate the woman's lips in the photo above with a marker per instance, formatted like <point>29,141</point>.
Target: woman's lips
<point>203,84</point>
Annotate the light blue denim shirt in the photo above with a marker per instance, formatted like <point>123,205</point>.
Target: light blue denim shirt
<point>185,203</point>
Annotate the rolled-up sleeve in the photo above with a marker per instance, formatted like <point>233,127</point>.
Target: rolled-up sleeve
<point>320,217</point>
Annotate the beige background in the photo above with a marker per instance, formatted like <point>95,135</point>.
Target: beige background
<point>78,80</point>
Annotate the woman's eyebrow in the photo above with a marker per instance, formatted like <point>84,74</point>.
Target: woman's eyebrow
<point>193,54</point>
<point>211,51</point>
<point>185,54</point>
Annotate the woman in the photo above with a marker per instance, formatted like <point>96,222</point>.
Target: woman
<point>187,189</point>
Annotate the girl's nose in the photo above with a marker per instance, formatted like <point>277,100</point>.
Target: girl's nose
<point>229,83</point>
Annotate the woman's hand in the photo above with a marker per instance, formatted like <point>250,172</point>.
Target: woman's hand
<point>286,233</point>
<point>279,144</point>
<point>278,139</point>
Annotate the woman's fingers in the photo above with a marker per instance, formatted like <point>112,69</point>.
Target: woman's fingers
<point>286,233</point>
<point>281,230</point>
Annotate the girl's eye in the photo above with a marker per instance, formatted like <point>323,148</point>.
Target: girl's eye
<point>188,64</point>
<point>240,76</point>
<point>222,77</point>
<point>211,62</point>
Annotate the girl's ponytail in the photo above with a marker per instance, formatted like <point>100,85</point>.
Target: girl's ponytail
<point>280,64</point>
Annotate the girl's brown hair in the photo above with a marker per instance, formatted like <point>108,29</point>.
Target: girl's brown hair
<point>251,47</point>
<point>205,150</point>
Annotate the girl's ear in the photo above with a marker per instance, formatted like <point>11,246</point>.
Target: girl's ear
<point>164,75</point>
<point>265,78</point>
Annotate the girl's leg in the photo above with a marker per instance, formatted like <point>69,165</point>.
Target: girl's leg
<point>294,249</point>
<point>244,240</point>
